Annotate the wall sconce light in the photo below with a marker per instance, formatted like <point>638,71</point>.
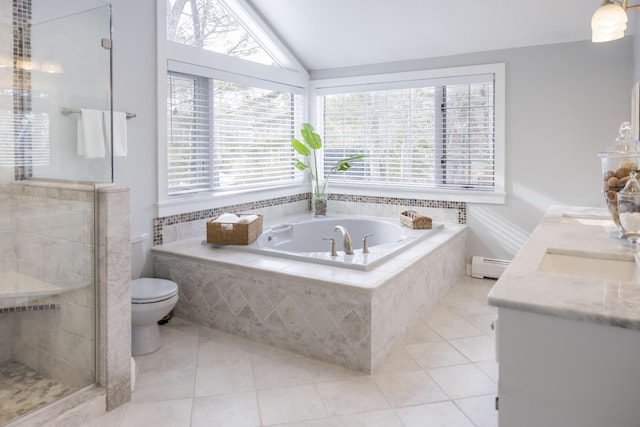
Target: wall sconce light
<point>29,64</point>
<point>610,21</point>
<point>6,60</point>
<point>51,67</point>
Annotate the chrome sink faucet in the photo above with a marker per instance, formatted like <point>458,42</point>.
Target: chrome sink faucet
<point>348,246</point>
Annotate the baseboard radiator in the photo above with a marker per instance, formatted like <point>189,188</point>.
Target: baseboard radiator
<point>492,268</point>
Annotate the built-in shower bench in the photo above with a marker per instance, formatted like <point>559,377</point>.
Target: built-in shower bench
<point>17,290</point>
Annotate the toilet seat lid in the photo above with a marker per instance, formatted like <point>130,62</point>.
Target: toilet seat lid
<point>152,289</point>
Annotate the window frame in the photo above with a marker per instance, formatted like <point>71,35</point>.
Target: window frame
<point>319,87</point>
<point>173,56</point>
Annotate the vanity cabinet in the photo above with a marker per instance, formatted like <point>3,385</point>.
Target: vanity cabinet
<point>556,372</point>
<point>568,345</point>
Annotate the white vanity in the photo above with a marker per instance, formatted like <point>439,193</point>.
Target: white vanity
<point>568,329</point>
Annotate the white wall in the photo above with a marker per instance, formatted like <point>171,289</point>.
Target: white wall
<point>134,90</point>
<point>564,105</point>
<point>636,48</point>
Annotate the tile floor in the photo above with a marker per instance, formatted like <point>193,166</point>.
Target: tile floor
<point>444,374</point>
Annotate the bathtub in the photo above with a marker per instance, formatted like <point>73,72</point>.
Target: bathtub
<point>305,239</point>
<point>349,317</point>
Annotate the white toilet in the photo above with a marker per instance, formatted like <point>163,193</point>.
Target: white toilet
<point>151,300</point>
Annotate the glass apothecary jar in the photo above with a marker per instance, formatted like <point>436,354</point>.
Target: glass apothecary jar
<point>618,162</point>
<point>629,209</point>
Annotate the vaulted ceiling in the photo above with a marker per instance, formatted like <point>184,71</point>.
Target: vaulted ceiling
<point>340,33</point>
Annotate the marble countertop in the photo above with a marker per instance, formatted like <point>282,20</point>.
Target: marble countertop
<point>577,231</point>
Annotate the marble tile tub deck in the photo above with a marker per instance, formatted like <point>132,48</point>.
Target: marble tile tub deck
<point>443,374</point>
<point>346,317</point>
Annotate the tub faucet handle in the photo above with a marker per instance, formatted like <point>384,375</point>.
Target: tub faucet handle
<point>333,245</point>
<point>365,249</point>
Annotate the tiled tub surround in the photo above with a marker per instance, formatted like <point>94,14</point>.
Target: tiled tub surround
<point>350,318</point>
<point>49,230</point>
<point>173,228</point>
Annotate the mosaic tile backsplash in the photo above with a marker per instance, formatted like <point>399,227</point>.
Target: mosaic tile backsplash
<point>193,224</point>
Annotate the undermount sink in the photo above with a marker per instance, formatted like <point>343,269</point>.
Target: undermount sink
<point>590,265</point>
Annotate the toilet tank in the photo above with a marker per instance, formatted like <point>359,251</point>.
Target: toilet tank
<point>139,248</point>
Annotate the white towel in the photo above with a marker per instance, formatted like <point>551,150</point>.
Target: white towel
<point>91,141</point>
<point>247,219</point>
<point>119,132</point>
<point>227,217</point>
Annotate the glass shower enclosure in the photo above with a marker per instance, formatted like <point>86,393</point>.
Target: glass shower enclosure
<point>55,63</point>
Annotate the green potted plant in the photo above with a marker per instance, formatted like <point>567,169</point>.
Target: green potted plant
<point>312,143</point>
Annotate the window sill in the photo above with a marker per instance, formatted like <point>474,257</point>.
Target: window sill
<point>184,204</point>
<point>468,196</point>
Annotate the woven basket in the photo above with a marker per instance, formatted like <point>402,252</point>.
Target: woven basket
<point>230,233</point>
<point>414,220</point>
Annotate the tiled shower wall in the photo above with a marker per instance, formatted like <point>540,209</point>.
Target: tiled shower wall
<point>193,224</point>
<point>51,230</point>
<point>51,226</point>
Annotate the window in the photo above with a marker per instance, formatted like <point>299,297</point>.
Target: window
<point>212,25</point>
<point>438,133</point>
<point>226,136</point>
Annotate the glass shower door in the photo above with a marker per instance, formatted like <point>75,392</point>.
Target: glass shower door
<point>51,59</point>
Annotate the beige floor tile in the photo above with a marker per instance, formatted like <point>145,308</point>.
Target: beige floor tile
<point>291,404</point>
<point>280,373</point>
<point>399,360</point>
<point>216,353</point>
<point>229,410</point>
<point>476,349</point>
<point>462,381</point>
<point>161,413</point>
<point>480,410</point>
<point>387,418</point>
<point>324,371</point>
<point>489,367</point>
<point>224,379</point>
<point>441,414</point>
<point>435,354</point>
<point>483,322</point>
<point>409,388</point>
<point>110,419</point>
<point>166,359</point>
<point>422,334</point>
<point>465,305</point>
<point>352,396</point>
<point>326,422</point>
<point>453,328</point>
<point>164,385</point>
<point>259,352</point>
<point>179,333</point>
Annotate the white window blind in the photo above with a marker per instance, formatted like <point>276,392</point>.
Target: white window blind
<point>225,136</point>
<point>438,134</point>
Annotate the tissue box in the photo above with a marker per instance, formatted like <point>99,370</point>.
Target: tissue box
<point>231,233</point>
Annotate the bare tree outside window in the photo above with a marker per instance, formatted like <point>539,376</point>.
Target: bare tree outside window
<point>209,25</point>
